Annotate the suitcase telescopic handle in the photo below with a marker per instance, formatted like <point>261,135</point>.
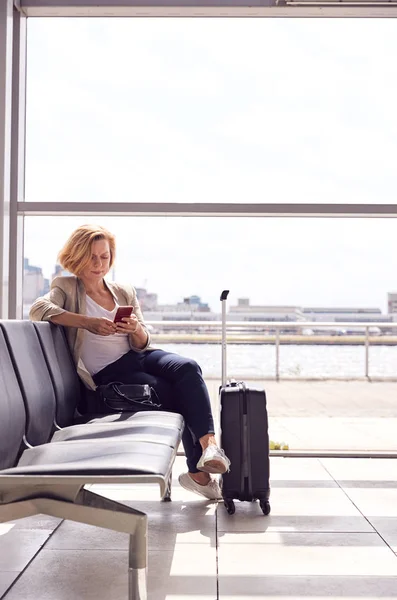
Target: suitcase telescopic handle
<point>224,296</point>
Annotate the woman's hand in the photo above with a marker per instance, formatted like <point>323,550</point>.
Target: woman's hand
<point>129,325</point>
<point>100,326</point>
<point>137,334</point>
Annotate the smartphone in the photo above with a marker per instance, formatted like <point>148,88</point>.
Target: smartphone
<point>123,311</point>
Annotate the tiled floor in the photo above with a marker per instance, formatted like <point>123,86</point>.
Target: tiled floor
<point>332,533</point>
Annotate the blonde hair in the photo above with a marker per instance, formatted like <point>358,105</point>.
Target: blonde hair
<point>76,253</point>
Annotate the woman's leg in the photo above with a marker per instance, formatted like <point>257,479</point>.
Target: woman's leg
<point>194,404</point>
<point>187,388</point>
<point>187,394</point>
<point>128,370</point>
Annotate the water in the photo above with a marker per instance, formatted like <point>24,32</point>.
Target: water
<point>295,361</point>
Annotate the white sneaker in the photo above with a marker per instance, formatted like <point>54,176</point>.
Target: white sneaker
<point>212,491</point>
<point>213,460</point>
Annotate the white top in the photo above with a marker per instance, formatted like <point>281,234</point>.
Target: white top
<point>98,351</point>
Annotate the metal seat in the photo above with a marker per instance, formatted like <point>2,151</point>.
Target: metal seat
<point>50,477</point>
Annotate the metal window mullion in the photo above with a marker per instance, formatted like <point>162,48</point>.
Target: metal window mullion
<point>17,167</point>
<point>6,33</point>
<point>216,209</point>
<point>367,352</point>
<point>277,353</point>
<point>207,8</point>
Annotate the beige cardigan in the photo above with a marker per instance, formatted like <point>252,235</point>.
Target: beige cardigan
<point>68,294</point>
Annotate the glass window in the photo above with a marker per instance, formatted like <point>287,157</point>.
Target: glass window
<point>286,270</point>
<point>211,110</point>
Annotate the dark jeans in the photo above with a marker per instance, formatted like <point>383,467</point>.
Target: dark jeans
<point>179,385</point>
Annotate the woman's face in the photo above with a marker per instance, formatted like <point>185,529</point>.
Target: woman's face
<point>99,261</point>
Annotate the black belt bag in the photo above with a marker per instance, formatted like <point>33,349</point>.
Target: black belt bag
<point>126,397</point>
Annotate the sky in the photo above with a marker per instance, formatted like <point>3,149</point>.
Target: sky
<point>220,110</point>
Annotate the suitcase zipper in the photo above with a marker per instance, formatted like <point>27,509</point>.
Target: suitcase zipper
<point>246,487</point>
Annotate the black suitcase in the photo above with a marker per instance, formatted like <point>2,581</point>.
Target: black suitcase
<point>244,438</point>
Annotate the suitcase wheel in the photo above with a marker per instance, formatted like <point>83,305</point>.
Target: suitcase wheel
<point>265,506</point>
<point>229,504</point>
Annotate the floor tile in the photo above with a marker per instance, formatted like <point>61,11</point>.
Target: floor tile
<point>18,546</point>
<point>168,524</point>
<point>296,554</point>
<point>192,573</point>
<point>306,587</point>
<point>296,509</point>
<point>299,470</point>
<point>6,579</point>
<point>375,502</point>
<point>310,539</point>
<point>387,528</point>
<point>37,522</point>
<point>363,469</point>
<point>103,575</point>
<point>66,575</point>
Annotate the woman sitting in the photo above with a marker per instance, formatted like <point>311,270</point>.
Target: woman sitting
<point>104,351</point>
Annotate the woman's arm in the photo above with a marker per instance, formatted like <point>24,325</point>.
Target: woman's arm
<point>99,326</point>
<point>140,338</point>
<point>50,307</point>
<point>69,319</point>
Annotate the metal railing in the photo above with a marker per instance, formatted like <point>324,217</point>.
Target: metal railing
<point>271,332</point>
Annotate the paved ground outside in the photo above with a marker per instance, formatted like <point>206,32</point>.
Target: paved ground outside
<point>329,415</point>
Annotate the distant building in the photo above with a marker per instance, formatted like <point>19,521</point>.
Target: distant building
<point>191,309</point>
<point>195,304</point>
<point>344,315</point>
<point>392,303</point>
<point>59,272</point>
<point>34,283</point>
<point>243,301</point>
<point>244,311</point>
<point>147,301</point>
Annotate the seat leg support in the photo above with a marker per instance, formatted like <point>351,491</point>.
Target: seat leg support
<point>167,495</point>
<point>96,510</point>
